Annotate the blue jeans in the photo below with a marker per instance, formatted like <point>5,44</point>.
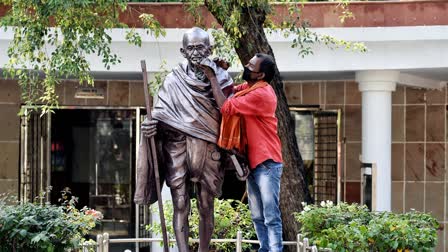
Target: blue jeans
<point>263,186</point>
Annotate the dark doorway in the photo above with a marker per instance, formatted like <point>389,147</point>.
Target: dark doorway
<point>93,154</point>
<point>318,137</point>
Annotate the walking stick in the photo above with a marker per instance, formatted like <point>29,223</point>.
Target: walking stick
<point>154,158</point>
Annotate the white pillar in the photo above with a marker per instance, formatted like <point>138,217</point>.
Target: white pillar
<point>166,196</point>
<point>377,88</point>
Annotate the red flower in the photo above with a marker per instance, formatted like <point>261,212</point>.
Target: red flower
<point>96,214</point>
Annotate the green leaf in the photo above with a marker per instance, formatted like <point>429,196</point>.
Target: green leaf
<point>23,232</point>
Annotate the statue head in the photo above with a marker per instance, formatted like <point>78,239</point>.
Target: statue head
<point>196,45</point>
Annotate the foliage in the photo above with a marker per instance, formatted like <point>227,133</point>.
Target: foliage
<point>223,47</point>
<point>349,227</point>
<point>159,77</point>
<point>303,38</point>
<point>231,216</point>
<point>154,1</point>
<point>292,25</point>
<point>152,25</point>
<point>413,231</point>
<point>231,12</point>
<point>52,40</point>
<point>44,227</point>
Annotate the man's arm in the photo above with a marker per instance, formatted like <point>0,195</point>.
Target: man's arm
<point>228,91</point>
<point>218,93</point>
<point>258,102</point>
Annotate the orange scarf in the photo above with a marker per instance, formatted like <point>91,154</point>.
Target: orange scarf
<point>232,134</point>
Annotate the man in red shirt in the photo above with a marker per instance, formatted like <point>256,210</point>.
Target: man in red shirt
<point>255,103</point>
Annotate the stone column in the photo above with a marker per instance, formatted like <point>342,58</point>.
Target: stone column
<point>377,88</point>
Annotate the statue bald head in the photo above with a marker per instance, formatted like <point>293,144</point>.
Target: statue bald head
<point>196,45</point>
<point>195,33</point>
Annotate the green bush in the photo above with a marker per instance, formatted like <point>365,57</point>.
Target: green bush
<point>154,1</point>
<point>44,227</point>
<point>351,227</point>
<point>231,216</point>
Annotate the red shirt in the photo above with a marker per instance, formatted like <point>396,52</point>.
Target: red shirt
<point>258,110</point>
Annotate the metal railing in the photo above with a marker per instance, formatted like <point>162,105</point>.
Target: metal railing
<point>302,244</point>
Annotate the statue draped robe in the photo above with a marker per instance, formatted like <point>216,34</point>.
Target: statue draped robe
<point>187,105</point>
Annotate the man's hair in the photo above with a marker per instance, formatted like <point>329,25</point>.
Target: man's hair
<point>267,66</point>
<point>197,32</point>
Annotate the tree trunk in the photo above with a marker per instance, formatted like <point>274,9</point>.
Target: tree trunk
<point>294,190</point>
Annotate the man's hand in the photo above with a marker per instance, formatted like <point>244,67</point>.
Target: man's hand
<point>149,128</point>
<point>222,63</point>
<point>207,71</point>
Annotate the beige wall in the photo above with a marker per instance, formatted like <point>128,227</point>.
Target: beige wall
<point>117,93</point>
<point>418,142</point>
<point>9,136</point>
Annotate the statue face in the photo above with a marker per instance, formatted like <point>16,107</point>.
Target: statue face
<point>196,47</point>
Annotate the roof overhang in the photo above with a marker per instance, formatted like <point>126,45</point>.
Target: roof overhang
<point>420,53</point>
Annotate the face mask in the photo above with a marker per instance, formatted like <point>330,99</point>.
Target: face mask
<point>247,74</point>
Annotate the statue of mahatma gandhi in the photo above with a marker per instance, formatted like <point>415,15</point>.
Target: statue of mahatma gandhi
<point>188,127</point>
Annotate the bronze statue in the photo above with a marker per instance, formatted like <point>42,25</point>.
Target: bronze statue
<point>188,127</point>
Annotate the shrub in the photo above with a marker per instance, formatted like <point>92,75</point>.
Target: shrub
<point>44,227</point>
<point>350,227</point>
<point>231,216</point>
<point>410,231</point>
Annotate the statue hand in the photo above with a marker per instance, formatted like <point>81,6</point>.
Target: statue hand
<point>222,63</point>
<point>149,128</point>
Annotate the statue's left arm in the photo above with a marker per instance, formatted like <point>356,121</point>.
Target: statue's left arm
<point>149,127</point>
